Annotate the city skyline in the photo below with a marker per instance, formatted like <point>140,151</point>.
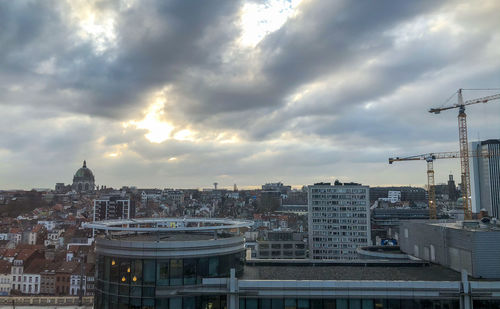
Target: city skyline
<point>183,94</point>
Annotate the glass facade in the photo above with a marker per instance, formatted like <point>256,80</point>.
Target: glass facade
<point>345,303</point>
<point>133,283</point>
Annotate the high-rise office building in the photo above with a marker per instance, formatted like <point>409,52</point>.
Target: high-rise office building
<point>485,177</point>
<point>339,220</point>
<point>110,207</point>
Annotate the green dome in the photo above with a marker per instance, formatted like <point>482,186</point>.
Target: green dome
<point>83,173</point>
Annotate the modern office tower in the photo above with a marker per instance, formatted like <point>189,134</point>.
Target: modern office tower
<point>109,207</point>
<point>339,220</point>
<point>485,177</point>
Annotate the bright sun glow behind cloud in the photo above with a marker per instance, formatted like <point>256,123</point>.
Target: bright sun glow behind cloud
<point>95,26</point>
<point>158,129</point>
<point>260,19</point>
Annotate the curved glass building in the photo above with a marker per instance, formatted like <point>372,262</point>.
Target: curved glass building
<point>198,263</point>
<point>160,263</point>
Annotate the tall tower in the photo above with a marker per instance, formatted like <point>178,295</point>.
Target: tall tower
<point>485,177</point>
<point>215,185</point>
<point>339,220</point>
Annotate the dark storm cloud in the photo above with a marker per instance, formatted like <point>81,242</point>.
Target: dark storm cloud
<point>155,43</point>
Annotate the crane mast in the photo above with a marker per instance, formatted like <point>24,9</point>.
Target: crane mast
<point>464,157</point>
<point>464,144</point>
<point>431,187</point>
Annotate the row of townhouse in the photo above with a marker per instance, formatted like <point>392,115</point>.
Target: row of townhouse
<point>26,271</point>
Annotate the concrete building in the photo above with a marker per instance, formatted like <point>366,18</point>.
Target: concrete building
<point>339,220</point>
<point>469,245</point>
<point>142,265</point>
<point>115,206</point>
<point>281,245</point>
<point>485,177</point>
<point>385,221</point>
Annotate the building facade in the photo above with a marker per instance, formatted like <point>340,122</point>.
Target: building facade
<point>196,265</point>
<point>485,177</point>
<point>281,245</point>
<point>468,245</point>
<point>111,207</point>
<point>144,270</point>
<point>339,220</point>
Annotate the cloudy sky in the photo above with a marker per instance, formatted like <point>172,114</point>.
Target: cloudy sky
<point>176,93</point>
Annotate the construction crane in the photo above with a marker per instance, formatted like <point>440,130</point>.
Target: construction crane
<point>464,144</point>
<point>429,158</point>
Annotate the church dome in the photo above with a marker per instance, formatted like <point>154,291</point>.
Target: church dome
<point>83,179</point>
<point>84,173</point>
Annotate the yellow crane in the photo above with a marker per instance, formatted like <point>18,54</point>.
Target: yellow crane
<point>429,158</point>
<point>464,144</point>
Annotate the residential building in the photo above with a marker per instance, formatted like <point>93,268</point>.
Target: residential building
<point>31,279</point>
<point>48,279</point>
<point>63,277</point>
<point>173,196</point>
<point>16,235</point>
<point>115,206</point>
<point>5,278</point>
<point>21,260</point>
<point>150,194</point>
<point>485,177</point>
<point>339,220</point>
<point>49,225</point>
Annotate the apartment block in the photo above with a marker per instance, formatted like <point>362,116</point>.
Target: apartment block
<point>339,220</point>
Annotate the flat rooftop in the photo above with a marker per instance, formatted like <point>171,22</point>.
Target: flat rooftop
<point>471,226</point>
<point>356,272</point>
<point>189,236</point>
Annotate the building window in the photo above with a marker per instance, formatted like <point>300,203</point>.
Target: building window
<point>162,274</point>
<point>176,272</point>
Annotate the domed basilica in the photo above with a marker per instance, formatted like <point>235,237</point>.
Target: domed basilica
<point>83,181</point>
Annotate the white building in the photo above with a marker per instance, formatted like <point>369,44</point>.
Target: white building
<point>339,220</point>
<point>49,225</point>
<point>394,196</point>
<point>31,283</point>
<point>55,238</point>
<point>17,274</point>
<point>485,177</point>
<point>5,278</point>
<point>75,283</point>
